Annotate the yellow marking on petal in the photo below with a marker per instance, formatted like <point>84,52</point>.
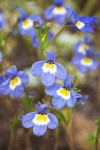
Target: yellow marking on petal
<point>41,118</point>
<point>47,65</point>
<point>87,60</point>
<point>59,10</point>
<point>64,92</point>
<point>85,46</point>
<point>14,81</point>
<point>52,66</point>
<point>26,22</point>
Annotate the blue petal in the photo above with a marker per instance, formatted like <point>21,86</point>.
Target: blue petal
<point>58,101</point>
<point>95,65</point>
<point>2,20</point>
<point>74,14</point>
<point>67,82</point>
<point>23,14</point>
<point>48,12</point>
<point>60,19</point>
<point>18,91</point>
<point>53,121</point>
<point>48,79</point>
<point>71,102</point>
<point>61,72</point>
<point>42,108</point>
<point>76,60</point>
<point>35,41</point>
<point>50,56</point>
<point>58,2</point>
<point>1,79</point>
<point>36,69</point>
<point>51,90</point>
<point>39,130</point>
<point>27,120</point>
<point>0,57</point>
<point>11,72</point>
<point>50,36</point>
<point>23,76</point>
<point>4,88</point>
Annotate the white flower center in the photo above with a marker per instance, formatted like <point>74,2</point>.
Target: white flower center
<point>49,67</point>
<point>80,24</point>
<point>87,61</point>
<point>59,10</point>
<point>26,24</point>
<point>82,48</point>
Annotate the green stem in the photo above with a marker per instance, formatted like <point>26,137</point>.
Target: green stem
<point>54,37</point>
<point>97,138</point>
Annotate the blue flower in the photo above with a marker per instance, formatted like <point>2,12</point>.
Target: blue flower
<point>84,63</point>
<point>35,41</point>
<point>0,57</point>
<point>14,82</point>
<point>26,23</point>
<point>84,24</point>
<point>59,12</point>
<point>83,46</point>
<point>40,120</point>
<point>63,95</point>
<point>81,99</point>
<point>49,69</point>
<point>2,19</point>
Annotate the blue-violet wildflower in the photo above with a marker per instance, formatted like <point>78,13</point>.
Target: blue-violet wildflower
<point>59,12</point>
<point>49,69</point>
<point>63,94</point>
<point>40,120</point>
<point>26,23</point>
<point>84,24</point>
<point>85,63</point>
<point>14,82</point>
<point>83,46</point>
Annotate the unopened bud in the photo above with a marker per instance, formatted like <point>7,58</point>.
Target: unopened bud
<point>36,24</point>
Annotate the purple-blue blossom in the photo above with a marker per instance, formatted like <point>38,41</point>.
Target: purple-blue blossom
<point>85,63</point>
<point>13,82</point>
<point>25,24</point>
<point>40,120</point>
<point>82,47</point>
<point>62,94</point>
<point>49,69</point>
<point>59,12</point>
<point>84,23</point>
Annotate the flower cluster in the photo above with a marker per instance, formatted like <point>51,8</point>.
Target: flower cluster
<point>63,92</point>
<point>13,82</point>
<point>85,58</point>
